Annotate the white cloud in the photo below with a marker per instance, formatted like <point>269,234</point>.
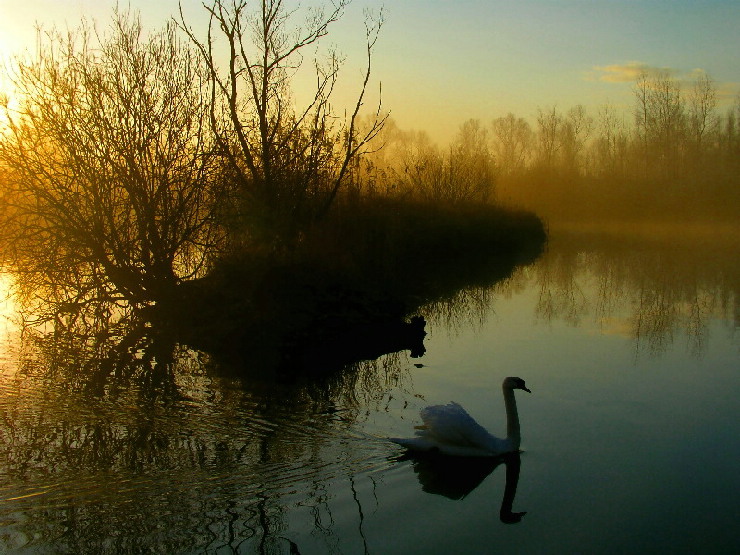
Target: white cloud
<point>627,72</point>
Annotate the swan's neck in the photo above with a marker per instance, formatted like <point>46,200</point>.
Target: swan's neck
<point>512,418</point>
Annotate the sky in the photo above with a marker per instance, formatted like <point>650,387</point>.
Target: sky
<point>441,62</point>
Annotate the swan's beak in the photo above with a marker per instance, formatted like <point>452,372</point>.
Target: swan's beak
<point>527,390</point>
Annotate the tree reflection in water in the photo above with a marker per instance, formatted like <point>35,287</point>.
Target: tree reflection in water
<point>119,441</point>
<point>119,438</point>
<point>672,285</point>
<point>121,435</point>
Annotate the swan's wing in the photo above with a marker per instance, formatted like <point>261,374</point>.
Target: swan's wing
<point>451,424</point>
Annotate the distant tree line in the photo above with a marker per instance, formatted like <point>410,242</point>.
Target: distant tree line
<point>675,156</point>
<point>407,164</point>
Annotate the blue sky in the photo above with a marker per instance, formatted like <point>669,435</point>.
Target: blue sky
<point>442,62</point>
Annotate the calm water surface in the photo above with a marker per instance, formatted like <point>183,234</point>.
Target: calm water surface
<point>630,437</point>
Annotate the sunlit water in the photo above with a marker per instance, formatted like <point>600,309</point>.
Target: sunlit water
<point>630,436</point>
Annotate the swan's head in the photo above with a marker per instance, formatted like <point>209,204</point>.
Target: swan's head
<point>515,383</point>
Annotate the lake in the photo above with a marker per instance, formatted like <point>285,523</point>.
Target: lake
<point>630,437</point>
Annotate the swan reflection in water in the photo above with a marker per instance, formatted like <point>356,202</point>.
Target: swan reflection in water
<point>456,477</point>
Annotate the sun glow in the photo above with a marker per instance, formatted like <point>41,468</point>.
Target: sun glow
<point>7,99</point>
<point>9,331</point>
<point>8,306</point>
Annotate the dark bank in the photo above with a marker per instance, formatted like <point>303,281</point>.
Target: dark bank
<point>351,289</point>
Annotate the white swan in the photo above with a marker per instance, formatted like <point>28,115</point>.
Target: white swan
<point>450,430</point>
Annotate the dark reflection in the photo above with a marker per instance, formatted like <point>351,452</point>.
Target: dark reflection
<point>119,435</point>
<point>109,430</point>
<point>213,461</point>
<point>457,477</point>
<point>216,422</point>
<point>133,350</point>
<point>298,320</point>
<point>362,342</point>
<point>107,424</point>
<point>102,359</point>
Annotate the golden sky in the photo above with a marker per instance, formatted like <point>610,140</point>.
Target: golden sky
<point>442,62</point>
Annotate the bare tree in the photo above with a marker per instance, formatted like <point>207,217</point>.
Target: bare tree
<point>512,142</point>
<point>464,173</point>
<point>701,119</point>
<point>289,163</point>
<point>574,132</point>
<point>660,121</point>
<point>471,164</point>
<point>416,163</point>
<point>610,145</point>
<point>641,91</point>
<point>379,171</point>
<point>109,169</point>
<point>549,124</point>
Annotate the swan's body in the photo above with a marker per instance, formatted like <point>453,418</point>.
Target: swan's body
<point>450,430</point>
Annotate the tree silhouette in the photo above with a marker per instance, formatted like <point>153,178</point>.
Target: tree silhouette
<point>110,167</point>
<point>288,162</point>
